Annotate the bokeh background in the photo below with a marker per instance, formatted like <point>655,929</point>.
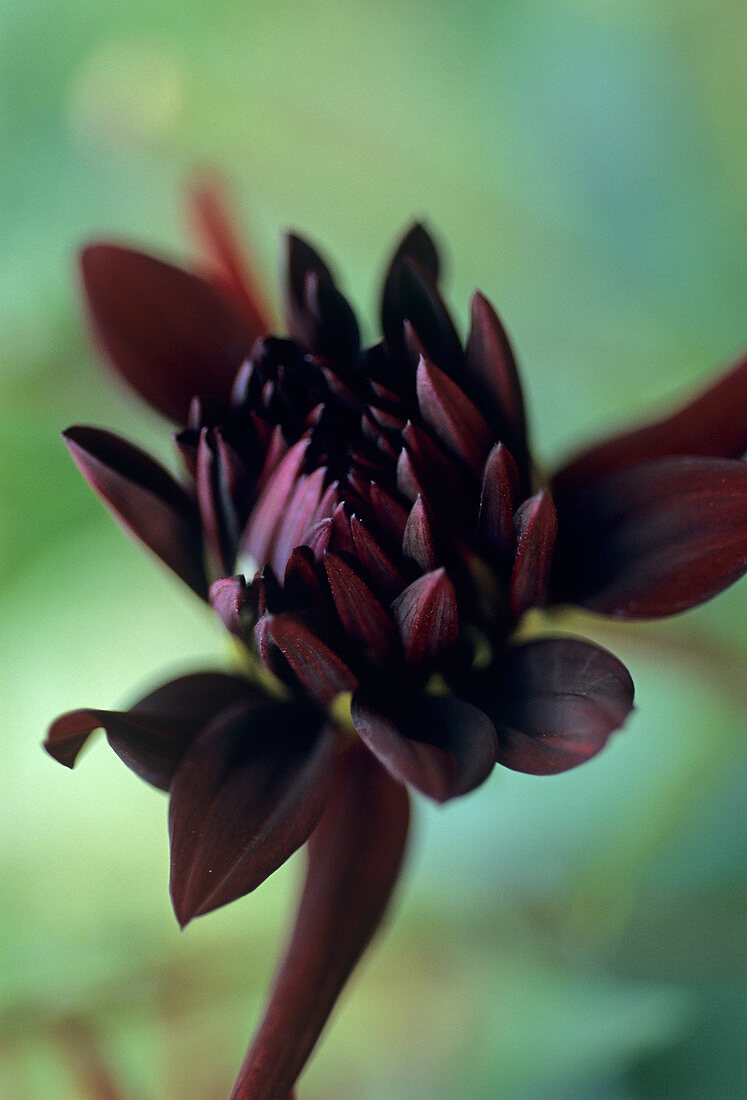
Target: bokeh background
<point>585,160</point>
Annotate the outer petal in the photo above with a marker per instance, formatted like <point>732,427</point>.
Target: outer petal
<point>556,702</point>
<point>411,294</point>
<point>144,497</point>
<point>153,735</point>
<point>439,744</point>
<point>247,794</point>
<point>355,854</point>
<point>169,333</point>
<point>653,539</point>
<point>215,229</point>
<point>713,424</point>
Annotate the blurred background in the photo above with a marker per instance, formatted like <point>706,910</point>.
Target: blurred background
<point>584,161</point>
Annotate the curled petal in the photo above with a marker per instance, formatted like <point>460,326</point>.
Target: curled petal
<point>362,616</point>
<point>153,735</point>
<point>555,703</point>
<point>653,539</point>
<point>426,613</point>
<point>246,795</point>
<point>216,479</point>
<point>536,530</point>
<point>169,333</point>
<point>452,417</point>
<point>492,365</point>
<point>234,603</point>
<point>713,424</point>
<point>144,497</point>
<point>410,294</point>
<point>500,485</point>
<point>440,744</point>
<point>355,855</point>
<point>319,668</point>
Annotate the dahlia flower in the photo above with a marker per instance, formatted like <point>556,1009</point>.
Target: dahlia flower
<point>370,526</point>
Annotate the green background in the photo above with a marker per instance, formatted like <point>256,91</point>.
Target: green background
<point>585,161</point>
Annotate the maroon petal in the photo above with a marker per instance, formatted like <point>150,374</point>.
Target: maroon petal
<point>144,497</point>
<point>452,417</point>
<point>500,485</point>
<point>216,231</point>
<point>319,668</point>
<point>355,855</point>
<point>301,261</point>
<point>556,702</point>
<point>169,333</point>
<point>234,604</point>
<point>329,324</point>
<point>491,363</point>
<point>418,542</point>
<point>267,514</point>
<point>362,616</point>
<point>385,578</point>
<point>426,613</point>
<point>410,294</point>
<point>153,735</point>
<point>714,424</point>
<point>246,795</point>
<point>441,745</point>
<point>653,539</point>
<point>216,480</point>
<point>536,530</point>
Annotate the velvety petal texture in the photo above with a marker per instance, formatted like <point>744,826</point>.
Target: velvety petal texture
<point>144,497</point>
<point>246,795</point>
<point>170,334</point>
<point>653,539</point>
<point>441,745</point>
<point>355,855</point>
<point>555,703</point>
<point>154,734</point>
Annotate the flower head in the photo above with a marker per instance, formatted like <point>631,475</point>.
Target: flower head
<point>368,523</point>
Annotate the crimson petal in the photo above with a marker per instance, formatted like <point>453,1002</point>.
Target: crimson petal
<point>500,485</point>
<point>452,417</point>
<point>169,333</point>
<point>362,616</point>
<point>246,795</point>
<point>556,702</point>
<point>713,424</point>
<point>653,539</point>
<point>153,735</point>
<point>355,855</point>
<point>144,497</point>
<point>440,744</point>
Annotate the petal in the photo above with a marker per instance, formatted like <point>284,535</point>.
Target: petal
<point>500,485</point>
<point>153,735</point>
<point>301,260</point>
<point>713,424</point>
<point>426,613</point>
<point>216,476</point>
<point>234,604</point>
<point>653,539</point>
<point>441,745</point>
<point>329,323</point>
<point>355,855</point>
<point>321,670</point>
<point>169,333</point>
<point>144,497</point>
<point>491,363</point>
<point>418,542</point>
<point>245,796</point>
<point>215,229</point>
<point>556,702</point>
<point>384,577</point>
<point>536,530</point>
<point>362,616</point>
<point>452,417</point>
<point>411,295</point>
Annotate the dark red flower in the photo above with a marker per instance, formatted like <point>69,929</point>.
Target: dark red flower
<point>367,523</point>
